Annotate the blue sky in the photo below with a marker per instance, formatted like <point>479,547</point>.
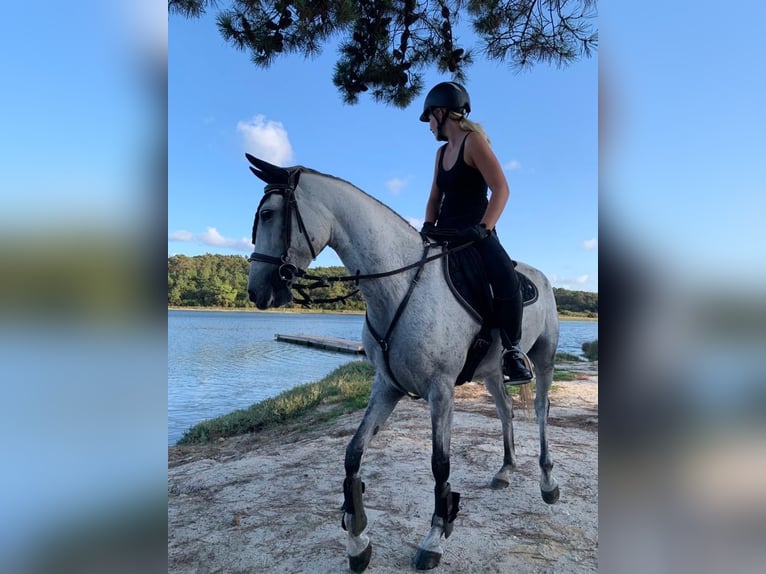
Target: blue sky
<point>542,124</point>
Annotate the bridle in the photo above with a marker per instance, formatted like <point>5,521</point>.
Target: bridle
<point>287,271</point>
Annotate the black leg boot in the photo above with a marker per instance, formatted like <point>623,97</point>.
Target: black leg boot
<point>517,368</point>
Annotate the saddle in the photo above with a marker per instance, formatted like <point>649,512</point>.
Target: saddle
<point>467,279</point>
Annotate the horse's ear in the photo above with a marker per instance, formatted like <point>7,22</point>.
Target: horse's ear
<point>267,172</point>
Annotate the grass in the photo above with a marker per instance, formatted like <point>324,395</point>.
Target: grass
<point>515,390</point>
<point>345,389</point>
<point>529,389</point>
<point>568,357</point>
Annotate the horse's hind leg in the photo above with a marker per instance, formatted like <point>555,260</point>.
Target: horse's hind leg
<point>549,488</point>
<point>383,399</point>
<point>504,405</point>
<point>446,504</point>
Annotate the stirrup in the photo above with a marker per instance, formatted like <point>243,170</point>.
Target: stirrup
<point>520,367</point>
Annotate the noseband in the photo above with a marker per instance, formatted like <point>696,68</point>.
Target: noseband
<point>287,271</point>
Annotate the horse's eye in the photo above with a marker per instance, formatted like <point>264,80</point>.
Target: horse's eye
<point>266,214</point>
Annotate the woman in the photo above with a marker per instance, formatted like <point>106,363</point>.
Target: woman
<point>465,167</point>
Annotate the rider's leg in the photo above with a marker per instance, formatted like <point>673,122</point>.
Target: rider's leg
<point>516,365</point>
<point>506,289</point>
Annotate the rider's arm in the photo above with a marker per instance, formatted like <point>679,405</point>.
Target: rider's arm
<point>479,155</point>
<point>435,197</point>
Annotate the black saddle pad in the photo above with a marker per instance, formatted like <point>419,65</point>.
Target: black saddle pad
<point>468,280</point>
<point>528,289</point>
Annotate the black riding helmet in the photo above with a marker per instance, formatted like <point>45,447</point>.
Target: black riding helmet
<point>450,95</point>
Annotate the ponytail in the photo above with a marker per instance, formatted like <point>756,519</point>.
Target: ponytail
<point>467,125</point>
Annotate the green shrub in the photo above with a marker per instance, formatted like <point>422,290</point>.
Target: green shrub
<point>590,350</point>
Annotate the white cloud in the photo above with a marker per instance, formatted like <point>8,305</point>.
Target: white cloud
<point>267,140</point>
<point>180,235</point>
<point>590,243</point>
<point>511,165</point>
<point>396,184</point>
<point>212,237</point>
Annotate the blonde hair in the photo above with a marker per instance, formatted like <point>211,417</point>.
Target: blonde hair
<point>467,125</point>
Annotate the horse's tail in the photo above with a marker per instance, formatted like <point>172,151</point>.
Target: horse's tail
<point>526,400</point>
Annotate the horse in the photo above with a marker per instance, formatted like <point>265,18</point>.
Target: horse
<point>427,330</point>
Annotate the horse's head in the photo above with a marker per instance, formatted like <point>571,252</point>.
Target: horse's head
<point>283,246</point>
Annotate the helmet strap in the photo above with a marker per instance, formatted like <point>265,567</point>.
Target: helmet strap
<point>439,124</point>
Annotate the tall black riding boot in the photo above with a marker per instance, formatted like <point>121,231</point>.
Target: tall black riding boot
<point>517,368</point>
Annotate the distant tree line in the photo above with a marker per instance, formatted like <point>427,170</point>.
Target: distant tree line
<point>576,303</point>
<point>221,281</point>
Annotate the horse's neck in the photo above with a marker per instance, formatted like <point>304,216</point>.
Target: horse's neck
<point>370,238</point>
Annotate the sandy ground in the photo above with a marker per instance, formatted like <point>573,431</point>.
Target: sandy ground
<point>271,502</point>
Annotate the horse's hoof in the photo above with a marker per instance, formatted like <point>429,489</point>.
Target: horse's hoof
<point>360,562</point>
<point>426,560</point>
<point>499,483</point>
<point>550,496</point>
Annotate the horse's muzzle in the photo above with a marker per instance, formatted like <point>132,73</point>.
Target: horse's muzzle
<point>270,297</point>
<point>253,296</point>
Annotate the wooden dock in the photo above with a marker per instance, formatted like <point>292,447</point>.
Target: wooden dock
<point>326,343</point>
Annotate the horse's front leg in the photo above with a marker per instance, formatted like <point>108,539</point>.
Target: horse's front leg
<point>446,506</point>
<point>383,399</point>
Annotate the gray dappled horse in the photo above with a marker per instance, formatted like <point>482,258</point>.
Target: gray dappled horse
<point>424,349</point>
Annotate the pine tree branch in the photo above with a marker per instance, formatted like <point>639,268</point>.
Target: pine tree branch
<point>386,45</point>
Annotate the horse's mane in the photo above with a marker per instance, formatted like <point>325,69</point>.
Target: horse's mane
<point>304,169</point>
<point>274,174</point>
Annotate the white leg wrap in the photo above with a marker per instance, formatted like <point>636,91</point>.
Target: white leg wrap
<point>355,545</point>
<point>432,541</point>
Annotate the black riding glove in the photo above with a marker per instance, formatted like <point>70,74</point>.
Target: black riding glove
<point>427,228</point>
<point>477,232</point>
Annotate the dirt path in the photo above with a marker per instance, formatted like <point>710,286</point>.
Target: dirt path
<point>271,502</point>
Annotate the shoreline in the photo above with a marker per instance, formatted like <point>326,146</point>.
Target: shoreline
<point>323,311</point>
<point>254,310</point>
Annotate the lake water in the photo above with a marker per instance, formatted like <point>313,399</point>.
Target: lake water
<point>220,361</point>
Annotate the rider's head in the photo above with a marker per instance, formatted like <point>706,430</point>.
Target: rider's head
<point>445,100</point>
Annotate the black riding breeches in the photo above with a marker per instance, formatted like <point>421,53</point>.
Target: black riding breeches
<point>505,289</point>
<point>499,267</point>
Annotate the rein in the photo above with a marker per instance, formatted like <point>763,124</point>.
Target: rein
<point>302,289</point>
<point>287,271</point>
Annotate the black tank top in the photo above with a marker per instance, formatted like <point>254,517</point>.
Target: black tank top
<point>464,192</point>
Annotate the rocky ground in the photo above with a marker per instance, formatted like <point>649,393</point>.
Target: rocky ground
<point>271,502</point>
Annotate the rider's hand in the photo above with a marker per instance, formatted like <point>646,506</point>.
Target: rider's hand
<point>477,232</point>
<point>428,227</point>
